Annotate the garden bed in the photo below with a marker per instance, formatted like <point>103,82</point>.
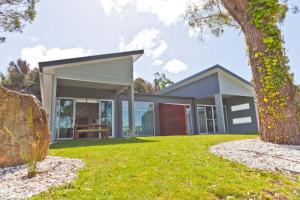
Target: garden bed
<point>261,155</point>
<point>52,171</point>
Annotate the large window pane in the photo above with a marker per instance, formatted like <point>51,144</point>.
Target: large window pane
<point>202,119</point>
<point>189,119</point>
<point>106,115</point>
<point>66,117</point>
<point>210,126</point>
<point>209,114</point>
<point>144,119</point>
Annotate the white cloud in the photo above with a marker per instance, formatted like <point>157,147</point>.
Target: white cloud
<point>157,62</point>
<point>163,46</point>
<point>175,66</point>
<point>116,5</point>
<point>40,53</point>
<point>147,39</point>
<point>167,11</point>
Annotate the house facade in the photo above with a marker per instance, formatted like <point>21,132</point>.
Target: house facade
<point>88,95</point>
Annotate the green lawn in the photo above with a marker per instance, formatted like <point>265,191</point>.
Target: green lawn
<point>178,167</point>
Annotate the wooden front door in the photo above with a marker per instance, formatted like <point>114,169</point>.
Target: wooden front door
<point>173,119</point>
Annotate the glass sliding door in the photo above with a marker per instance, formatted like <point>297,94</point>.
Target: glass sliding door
<point>65,123</point>
<point>210,119</point>
<point>215,118</point>
<point>106,115</point>
<point>207,119</point>
<point>202,119</point>
<point>189,119</point>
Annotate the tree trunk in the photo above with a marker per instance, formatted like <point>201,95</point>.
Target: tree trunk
<point>285,129</point>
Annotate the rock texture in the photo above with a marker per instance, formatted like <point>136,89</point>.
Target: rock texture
<point>261,155</point>
<point>53,171</point>
<point>24,132</point>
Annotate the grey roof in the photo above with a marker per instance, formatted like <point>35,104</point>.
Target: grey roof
<point>217,66</point>
<point>138,53</point>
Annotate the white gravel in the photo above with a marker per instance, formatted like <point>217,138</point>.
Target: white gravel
<point>261,155</point>
<point>53,171</point>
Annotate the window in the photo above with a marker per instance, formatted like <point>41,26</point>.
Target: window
<point>207,119</point>
<point>242,120</point>
<point>189,119</point>
<point>244,106</point>
<point>65,119</point>
<point>144,118</point>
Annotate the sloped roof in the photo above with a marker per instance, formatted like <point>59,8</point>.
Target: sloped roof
<point>136,54</point>
<point>201,75</point>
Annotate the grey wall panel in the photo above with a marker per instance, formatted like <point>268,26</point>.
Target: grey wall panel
<point>206,87</point>
<point>205,101</point>
<point>233,86</point>
<point>77,92</point>
<point>241,128</point>
<point>119,71</point>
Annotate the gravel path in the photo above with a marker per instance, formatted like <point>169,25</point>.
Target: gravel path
<point>53,171</point>
<point>261,155</point>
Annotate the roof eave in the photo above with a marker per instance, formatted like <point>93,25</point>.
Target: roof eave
<point>135,54</point>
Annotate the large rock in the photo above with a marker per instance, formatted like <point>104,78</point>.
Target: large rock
<point>298,106</point>
<point>24,132</point>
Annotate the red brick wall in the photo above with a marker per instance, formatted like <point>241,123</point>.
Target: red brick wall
<point>173,119</point>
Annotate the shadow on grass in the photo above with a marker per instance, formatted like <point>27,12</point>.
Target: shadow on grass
<point>251,133</point>
<point>101,142</point>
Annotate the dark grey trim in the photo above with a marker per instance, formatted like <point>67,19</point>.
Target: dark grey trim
<point>217,66</point>
<point>89,58</point>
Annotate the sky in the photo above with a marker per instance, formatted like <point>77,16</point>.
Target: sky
<point>73,28</point>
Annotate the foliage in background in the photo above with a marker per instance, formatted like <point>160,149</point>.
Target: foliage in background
<point>142,86</point>
<point>22,79</point>
<point>14,14</point>
<point>161,81</point>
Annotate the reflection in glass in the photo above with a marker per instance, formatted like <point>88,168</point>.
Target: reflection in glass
<point>202,119</point>
<point>209,114</point>
<point>106,114</point>
<point>210,126</point>
<point>144,120</point>
<point>207,119</point>
<point>189,119</point>
<point>66,117</point>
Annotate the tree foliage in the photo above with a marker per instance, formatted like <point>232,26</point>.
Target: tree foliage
<point>273,82</point>
<point>21,78</point>
<point>210,13</point>
<point>14,14</point>
<point>161,81</point>
<point>142,86</point>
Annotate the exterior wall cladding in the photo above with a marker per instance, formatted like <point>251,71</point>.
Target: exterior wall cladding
<point>200,92</point>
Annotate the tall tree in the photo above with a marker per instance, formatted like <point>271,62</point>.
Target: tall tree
<point>14,14</point>
<point>21,78</point>
<point>273,82</point>
<point>161,81</point>
<point>142,86</point>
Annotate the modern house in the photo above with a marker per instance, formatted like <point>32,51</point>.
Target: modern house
<point>86,95</point>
